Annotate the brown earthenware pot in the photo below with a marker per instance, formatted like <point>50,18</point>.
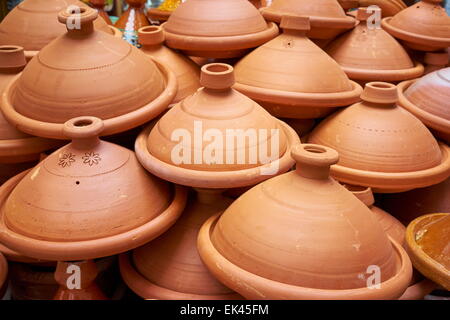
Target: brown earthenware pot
<point>217,28</point>
<point>170,267</point>
<point>327,17</point>
<point>186,71</point>
<point>428,99</point>
<point>368,53</point>
<point>163,12</point>
<point>395,153</point>
<point>427,240</point>
<point>435,61</point>
<point>425,26</point>
<point>96,74</point>
<point>34,23</point>
<point>3,275</point>
<point>292,77</point>
<point>132,20</point>
<point>100,6</point>
<point>302,235</point>
<point>178,147</point>
<point>388,8</point>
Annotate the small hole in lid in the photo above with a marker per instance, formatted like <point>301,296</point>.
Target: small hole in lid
<point>381,85</point>
<point>77,10</point>
<point>83,123</point>
<point>9,48</point>
<point>218,68</point>
<point>315,149</point>
<point>150,29</point>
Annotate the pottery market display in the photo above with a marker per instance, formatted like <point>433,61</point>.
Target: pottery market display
<point>327,17</point>
<point>100,5</point>
<point>428,99</point>
<point>424,26</point>
<point>164,10</point>
<point>96,75</point>
<point>87,200</point>
<point>435,61</point>
<point>292,77</point>
<point>368,53</point>
<point>302,235</point>
<point>388,8</point>
<point>381,145</point>
<point>18,151</point>
<point>217,28</point>
<point>427,239</point>
<point>34,23</point>
<point>132,20</point>
<point>186,71</point>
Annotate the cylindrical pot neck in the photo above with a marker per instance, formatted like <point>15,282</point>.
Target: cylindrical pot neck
<point>84,132</point>
<point>79,21</point>
<point>12,59</point>
<point>151,37</point>
<point>295,26</point>
<point>380,95</point>
<point>314,161</point>
<point>364,194</point>
<point>217,78</point>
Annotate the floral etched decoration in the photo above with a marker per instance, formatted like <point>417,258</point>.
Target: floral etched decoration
<point>91,158</point>
<point>66,160</point>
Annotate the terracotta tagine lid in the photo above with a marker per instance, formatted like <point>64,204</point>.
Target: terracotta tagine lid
<point>32,24</point>
<point>164,10</point>
<point>302,235</point>
<point>96,75</point>
<point>186,71</point>
<point>99,212</point>
<point>348,4</point>
<point>424,26</point>
<point>217,28</point>
<point>327,17</point>
<point>435,61</point>
<point>170,266</point>
<point>16,146</point>
<point>393,228</point>
<point>100,6</point>
<point>388,8</point>
<point>3,275</point>
<point>393,153</point>
<point>132,20</point>
<point>303,83</point>
<point>427,240</point>
<point>216,138</point>
<point>368,53</point>
<point>428,98</point>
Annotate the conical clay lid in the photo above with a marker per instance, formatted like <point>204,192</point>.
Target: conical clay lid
<point>376,136</point>
<point>369,53</point>
<point>32,24</point>
<point>388,8</point>
<point>302,235</point>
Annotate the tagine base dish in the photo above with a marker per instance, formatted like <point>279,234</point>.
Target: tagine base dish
<point>25,149</point>
<point>148,290</point>
<point>386,182</point>
<point>384,75</point>
<point>268,289</point>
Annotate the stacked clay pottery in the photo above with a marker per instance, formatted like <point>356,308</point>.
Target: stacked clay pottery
<point>435,61</point>
<point>368,53</point>
<point>34,23</point>
<point>96,74</point>
<point>87,200</point>
<point>186,71</point>
<point>217,28</point>
<point>302,235</point>
<point>428,99</point>
<point>163,12</point>
<point>381,145</point>
<point>170,267</point>
<point>100,6</point>
<point>427,240</point>
<point>393,228</point>
<point>292,77</point>
<point>132,20</point>
<point>388,8</point>
<point>425,26</point>
<point>327,17</point>
<point>18,151</point>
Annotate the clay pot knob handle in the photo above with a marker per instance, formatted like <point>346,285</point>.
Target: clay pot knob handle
<point>298,23</point>
<point>83,128</point>
<point>12,57</point>
<point>365,13</point>
<point>436,58</point>
<point>78,18</point>
<point>313,160</point>
<point>364,194</point>
<point>380,93</point>
<point>217,76</point>
<point>151,35</point>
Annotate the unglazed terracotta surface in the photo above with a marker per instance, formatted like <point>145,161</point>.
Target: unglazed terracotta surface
<point>302,235</point>
<point>87,200</point>
<point>292,77</point>
<point>177,147</point>
<point>381,145</point>
<point>34,23</point>
<point>96,74</point>
<point>170,267</point>
<point>388,8</point>
<point>428,99</point>
<point>435,61</point>
<point>217,28</point>
<point>428,243</point>
<point>186,71</point>
<point>368,53</point>
<point>423,26</point>
<point>327,17</point>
